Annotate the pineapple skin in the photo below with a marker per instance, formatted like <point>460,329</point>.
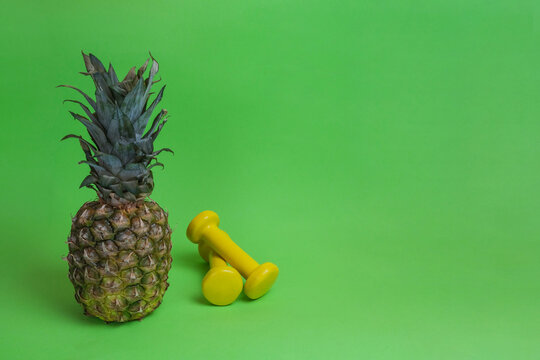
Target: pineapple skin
<point>119,259</point>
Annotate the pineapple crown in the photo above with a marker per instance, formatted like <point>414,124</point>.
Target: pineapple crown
<point>121,154</point>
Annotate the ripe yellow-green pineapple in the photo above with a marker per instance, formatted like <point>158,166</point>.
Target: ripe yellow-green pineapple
<point>120,244</point>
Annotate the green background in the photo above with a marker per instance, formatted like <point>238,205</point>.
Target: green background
<point>385,154</point>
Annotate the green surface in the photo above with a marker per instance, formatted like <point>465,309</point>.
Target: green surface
<point>385,154</point>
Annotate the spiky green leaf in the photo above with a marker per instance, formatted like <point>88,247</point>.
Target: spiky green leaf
<point>125,151</point>
<point>81,140</point>
<point>142,121</point>
<point>156,164</point>
<point>88,98</point>
<point>107,180</point>
<point>132,173</point>
<point>110,162</point>
<point>112,75</point>
<point>133,104</point>
<point>131,185</point>
<point>85,108</point>
<point>89,180</point>
<point>95,132</point>
<point>118,189</point>
<point>142,69</point>
<point>156,153</point>
<point>153,71</point>
<point>98,66</point>
<point>100,169</point>
<point>105,108</point>
<point>154,135</point>
<point>120,128</point>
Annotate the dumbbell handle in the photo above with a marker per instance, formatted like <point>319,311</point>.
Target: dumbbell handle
<point>215,260</point>
<point>222,244</point>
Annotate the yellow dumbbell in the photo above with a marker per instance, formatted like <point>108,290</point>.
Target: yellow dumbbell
<point>259,277</point>
<point>222,284</point>
<point>204,251</point>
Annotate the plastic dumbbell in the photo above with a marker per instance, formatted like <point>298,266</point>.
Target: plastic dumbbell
<point>222,283</point>
<point>259,277</point>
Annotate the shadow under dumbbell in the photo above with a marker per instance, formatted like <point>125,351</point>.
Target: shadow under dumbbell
<point>191,261</point>
<point>243,298</point>
<point>199,299</point>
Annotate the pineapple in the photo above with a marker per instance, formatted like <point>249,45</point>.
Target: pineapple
<point>120,244</point>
